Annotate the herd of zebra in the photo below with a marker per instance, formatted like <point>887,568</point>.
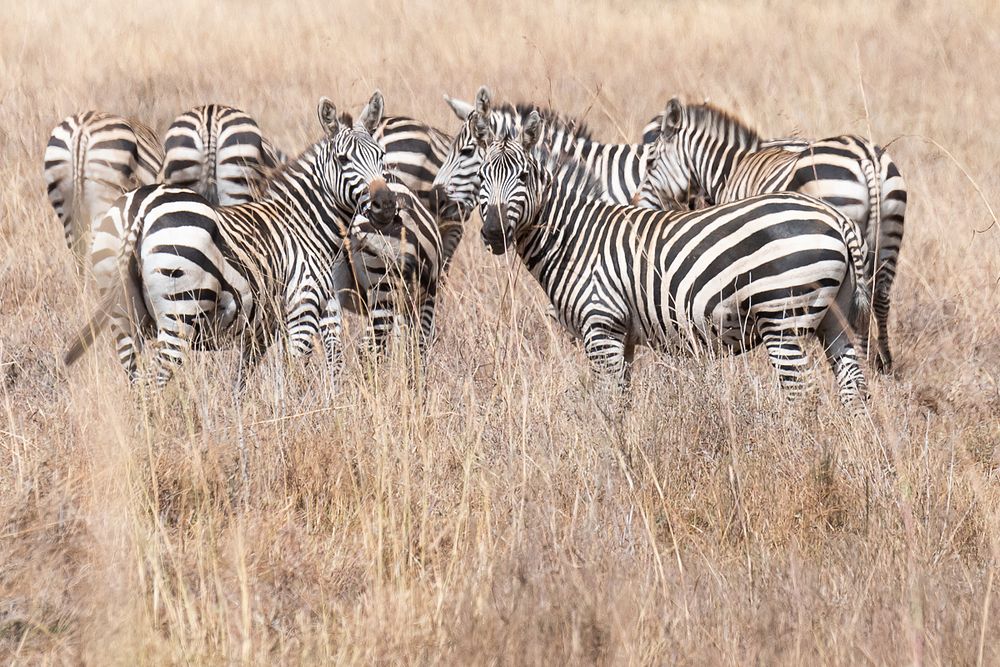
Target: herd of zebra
<point>700,236</point>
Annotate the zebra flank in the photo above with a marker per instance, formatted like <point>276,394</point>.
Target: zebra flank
<point>91,159</point>
<point>704,148</point>
<point>200,276</point>
<point>772,270</point>
<point>218,151</point>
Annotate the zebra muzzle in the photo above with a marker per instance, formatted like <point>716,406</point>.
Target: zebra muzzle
<point>382,203</point>
<point>496,232</point>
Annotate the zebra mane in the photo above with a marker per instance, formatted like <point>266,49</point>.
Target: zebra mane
<point>723,120</point>
<point>553,120</point>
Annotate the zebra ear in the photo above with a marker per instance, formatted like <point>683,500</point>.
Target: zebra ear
<point>481,129</point>
<point>483,100</point>
<point>672,118</point>
<point>327,113</point>
<point>371,115</point>
<point>461,109</point>
<point>531,131</point>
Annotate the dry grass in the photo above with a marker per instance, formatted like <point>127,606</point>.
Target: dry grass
<point>491,513</point>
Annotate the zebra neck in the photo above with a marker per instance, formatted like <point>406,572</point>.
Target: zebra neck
<point>713,167</point>
<point>546,244</point>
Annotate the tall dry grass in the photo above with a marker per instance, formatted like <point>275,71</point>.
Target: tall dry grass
<point>489,512</point>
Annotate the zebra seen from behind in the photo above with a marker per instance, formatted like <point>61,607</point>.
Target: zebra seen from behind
<point>219,152</point>
<point>775,269</point>
<point>705,148</point>
<point>90,160</point>
<point>199,276</point>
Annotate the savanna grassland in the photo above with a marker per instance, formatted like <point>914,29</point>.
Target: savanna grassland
<point>490,510</point>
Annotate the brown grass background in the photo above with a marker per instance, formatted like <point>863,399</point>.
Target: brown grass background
<point>490,513</point>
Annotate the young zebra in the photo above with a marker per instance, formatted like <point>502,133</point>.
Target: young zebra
<point>91,159</point>
<point>218,151</point>
<point>618,167</point>
<point>200,275</point>
<point>397,262</point>
<point>774,269</point>
<point>705,148</point>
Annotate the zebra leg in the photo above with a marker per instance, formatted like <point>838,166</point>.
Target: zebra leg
<point>175,331</point>
<point>126,343</point>
<point>255,345</point>
<point>451,236</point>
<point>427,310</point>
<point>844,360</point>
<point>302,319</point>
<point>605,345</point>
<point>331,329</point>
<point>789,359</point>
<point>381,318</point>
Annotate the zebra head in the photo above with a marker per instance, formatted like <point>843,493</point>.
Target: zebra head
<point>456,184</point>
<point>668,180</point>
<point>355,162</point>
<point>512,180</point>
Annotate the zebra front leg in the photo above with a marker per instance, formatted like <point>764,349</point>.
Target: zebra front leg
<point>605,346</point>
<point>302,308</point>
<point>252,352</point>
<point>331,330</point>
<point>381,318</point>
<point>427,311</point>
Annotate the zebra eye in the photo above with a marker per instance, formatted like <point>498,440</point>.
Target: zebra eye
<point>467,151</point>
<point>343,158</point>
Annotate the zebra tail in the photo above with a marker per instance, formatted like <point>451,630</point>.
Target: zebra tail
<point>78,160</point>
<point>116,296</point>
<point>86,336</point>
<point>209,174</point>
<point>857,247</point>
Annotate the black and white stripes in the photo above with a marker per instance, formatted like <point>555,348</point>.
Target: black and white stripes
<point>219,152</point>
<point>196,275</point>
<point>775,269</point>
<point>707,149</point>
<point>90,160</point>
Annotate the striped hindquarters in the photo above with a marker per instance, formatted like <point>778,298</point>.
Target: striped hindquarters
<point>414,152</point>
<point>90,160</point>
<point>218,152</point>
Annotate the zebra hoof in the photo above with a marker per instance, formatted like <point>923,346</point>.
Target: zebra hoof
<point>883,364</point>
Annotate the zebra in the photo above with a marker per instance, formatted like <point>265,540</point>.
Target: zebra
<point>195,274</point>
<point>401,260</point>
<point>773,269</point>
<point>92,158</point>
<point>219,152</point>
<point>619,167</point>
<point>414,152</point>
<point>703,147</point>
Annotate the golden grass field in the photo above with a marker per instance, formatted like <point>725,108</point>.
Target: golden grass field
<point>489,513</point>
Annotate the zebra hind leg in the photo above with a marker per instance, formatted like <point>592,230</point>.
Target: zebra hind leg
<point>784,350</point>
<point>126,343</point>
<point>846,365</point>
